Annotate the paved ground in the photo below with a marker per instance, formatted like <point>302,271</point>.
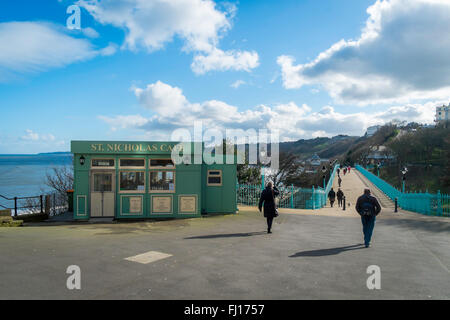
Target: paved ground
<point>310,255</point>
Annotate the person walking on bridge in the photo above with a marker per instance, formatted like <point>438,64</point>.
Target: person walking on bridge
<point>368,208</point>
<point>340,196</point>
<point>268,199</point>
<point>339,181</point>
<point>332,197</point>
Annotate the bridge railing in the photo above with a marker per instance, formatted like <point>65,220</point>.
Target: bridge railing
<point>421,202</point>
<point>290,196</point>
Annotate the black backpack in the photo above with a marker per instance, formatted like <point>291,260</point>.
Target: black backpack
<point>367,208</point>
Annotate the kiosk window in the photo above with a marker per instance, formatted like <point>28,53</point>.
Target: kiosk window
<point>214,177</point>
<point>103,163</point>
<point>162,181</point>
<point>135,163</point>
<point>166,163</point>
<point>102,182</point>
<point>132,181</point>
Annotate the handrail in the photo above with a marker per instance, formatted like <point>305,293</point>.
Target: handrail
<point>425,203</point>
<point>19,198</point>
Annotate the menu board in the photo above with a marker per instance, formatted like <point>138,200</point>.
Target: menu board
<point>135,204</point>
<point>188,204</point>
<point>161,204</point>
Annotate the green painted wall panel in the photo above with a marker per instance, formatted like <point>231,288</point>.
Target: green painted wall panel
<point>190,180</point>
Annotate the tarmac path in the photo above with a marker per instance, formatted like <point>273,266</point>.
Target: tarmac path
<point>311,254</point>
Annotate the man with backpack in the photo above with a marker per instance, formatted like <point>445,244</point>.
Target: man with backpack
<point>368,208</point>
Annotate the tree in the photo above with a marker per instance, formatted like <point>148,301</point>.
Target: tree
<point>247,174</point>
<point>60,179</point>
<point>288,167</point>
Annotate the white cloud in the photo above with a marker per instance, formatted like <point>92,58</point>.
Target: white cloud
<point>401,56</point>
<point>151,24</point>
<point>38,46</point>
<point>33,136</point>
<point>223,61</point>
<point>90,33</point>
<point>172,110</point>
<point>237,84</point>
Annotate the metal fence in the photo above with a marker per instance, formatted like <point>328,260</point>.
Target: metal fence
<point>52,203</point>
<point>290,197</point>
<point>421,202</point>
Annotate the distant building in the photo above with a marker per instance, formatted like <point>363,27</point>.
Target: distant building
<point>313,163</point>
<point>379,154</point>
<point>372,130</point>
<point>315,160</point>
<point>442,114</point>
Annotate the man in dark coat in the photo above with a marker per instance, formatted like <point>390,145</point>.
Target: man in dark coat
<point>268,199</point>
<point>340,196</point>
<point>332,197</point>
<point>368,208</point>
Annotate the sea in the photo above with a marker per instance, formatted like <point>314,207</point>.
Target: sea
<point>24,175</point>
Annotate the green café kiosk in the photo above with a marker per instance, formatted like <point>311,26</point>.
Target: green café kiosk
<point>134,180</point>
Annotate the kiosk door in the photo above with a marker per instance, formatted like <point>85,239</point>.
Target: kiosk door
<point>102,194</point>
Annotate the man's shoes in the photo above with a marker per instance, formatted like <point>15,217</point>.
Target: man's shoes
<point>367,245</point>
<point>268,231</point>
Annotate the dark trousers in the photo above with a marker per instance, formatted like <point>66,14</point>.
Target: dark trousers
<point>340,202</point>
<point>368,223</point>
<point>269,223</point>
<point>332,202</point>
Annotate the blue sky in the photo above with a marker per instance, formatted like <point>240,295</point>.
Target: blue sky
<point>138,69</point>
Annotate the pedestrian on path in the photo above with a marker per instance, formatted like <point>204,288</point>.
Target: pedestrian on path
<point>348,169</point>
<point>268,199</point>
<point>345,171</point>
<point>340,196</point>
<point>368,208</point>
<point>332,197</point>
<point>338,171</point>
<point>339,181</point>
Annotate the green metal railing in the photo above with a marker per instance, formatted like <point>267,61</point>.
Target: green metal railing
<point>425,203</point>
<point>290,197</point>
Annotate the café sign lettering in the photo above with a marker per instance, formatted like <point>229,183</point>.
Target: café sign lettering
<point>131,147</point>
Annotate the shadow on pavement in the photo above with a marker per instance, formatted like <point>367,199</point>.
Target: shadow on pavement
<point>420,223</point>
<point>229,235</point>
<point>327,252</point>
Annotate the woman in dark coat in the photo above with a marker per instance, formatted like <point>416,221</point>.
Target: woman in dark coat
<point>268,198</point>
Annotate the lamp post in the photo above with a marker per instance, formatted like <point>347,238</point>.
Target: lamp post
<point>404,171</point>
<point>324,170</point>
<point>378,169</point>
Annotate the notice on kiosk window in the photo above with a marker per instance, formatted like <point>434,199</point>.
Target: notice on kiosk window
<point>188,204</point>
<point>135,204</point>
<point>162,204</point>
